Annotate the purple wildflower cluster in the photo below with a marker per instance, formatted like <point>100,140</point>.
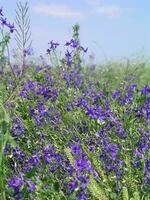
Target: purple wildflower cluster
<point>79,172</point>
<point>74,177</point>
<point>104,127</point>
<point>73,77</point>
<point>16,183</point>
<point>73,46</point>
<point>142,154</point>
<point>17,129</point>
<point>53,46</point>
<point>5,23</point>
<point>39,89</point>
<point>110,156</point>
<point>69,126</point>
<point>43,116</point>
<point>28,52</point>
<point>97,106</point>
<point>126,97</point>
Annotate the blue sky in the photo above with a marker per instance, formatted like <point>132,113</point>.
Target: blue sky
<point>112,29</point>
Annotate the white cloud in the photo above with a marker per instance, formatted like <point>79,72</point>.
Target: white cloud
<point>109,10</point>
<point>56,10</point>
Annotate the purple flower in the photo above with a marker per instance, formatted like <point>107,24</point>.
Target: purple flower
<point>139,154</point>
<point>95,174</point>
<point>83,49</point>
<point>78,82</point>
<point>41,109</point>
<point>120,132</point>
<point>82,164</point>
<point>28,52</point>
<point>113,150</point>
<point>69,107</point>
<point>82,196</point>
<point>73,43</point>
<point>11,27</point>
<point>53,46</point>
<point>145,90</point>
<point>38,68</point>
<point>47,154</point>
<point>4,22</point>
<point>17,128</point>
<point>1,11</point>
<point>15,182</point>
<point>115,94</point>
<point>68,57</point>
<point>84,180</point>
<point>23,93</point>
<point>76,149</point>
<point>147,167</point>
<point>48,51</point>
<point>73,185</point>
<point>55,94</point>
<point>30,185</point>
<point>136,163</point>
<point>18,154</point>
<point>35,159</point>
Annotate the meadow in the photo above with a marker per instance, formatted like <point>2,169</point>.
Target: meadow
<point>72,131</point>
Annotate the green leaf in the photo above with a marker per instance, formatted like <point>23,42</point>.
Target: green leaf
<point>113,196</point>
<point>56,186</point>
<point>125,195</point>
<point>11,140</point>
<point>3,127</point>
<point>96,190</point>
<point>136,195</point>
<point>3,114</point>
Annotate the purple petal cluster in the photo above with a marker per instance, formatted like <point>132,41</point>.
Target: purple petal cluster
<point>5,23</point>
<point>53,46</point>
<point>18,129</point>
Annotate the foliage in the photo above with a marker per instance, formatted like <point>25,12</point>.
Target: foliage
<point>70,131</point>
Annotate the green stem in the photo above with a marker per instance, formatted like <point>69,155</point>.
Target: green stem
<point>6,45</point>
<point>2,187</point>
<point>3,196</point>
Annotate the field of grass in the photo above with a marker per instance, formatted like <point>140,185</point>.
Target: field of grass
<point>73,132</point>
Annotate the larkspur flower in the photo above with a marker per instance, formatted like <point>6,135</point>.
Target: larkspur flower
<point>73,185</point>
<point>84,180</point>
<point>113,150</point>
<point>35,159</point>
<point>82,196</point>
<point>17,129</point>
<point>53,46</point>
<point>68,57</point>
<point>84,49</point>
<point>18,154</point>
<point>3,21</point>
<point>145,90</point>
<point>11,27</point>
<point>115,94</point>
<point>73,43</point>
<point>15,182</point>
<point>27,52</point>
<point>69,107</point>
<point>30,185</point>
<point>76,149</point>
<point>1,12</point>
